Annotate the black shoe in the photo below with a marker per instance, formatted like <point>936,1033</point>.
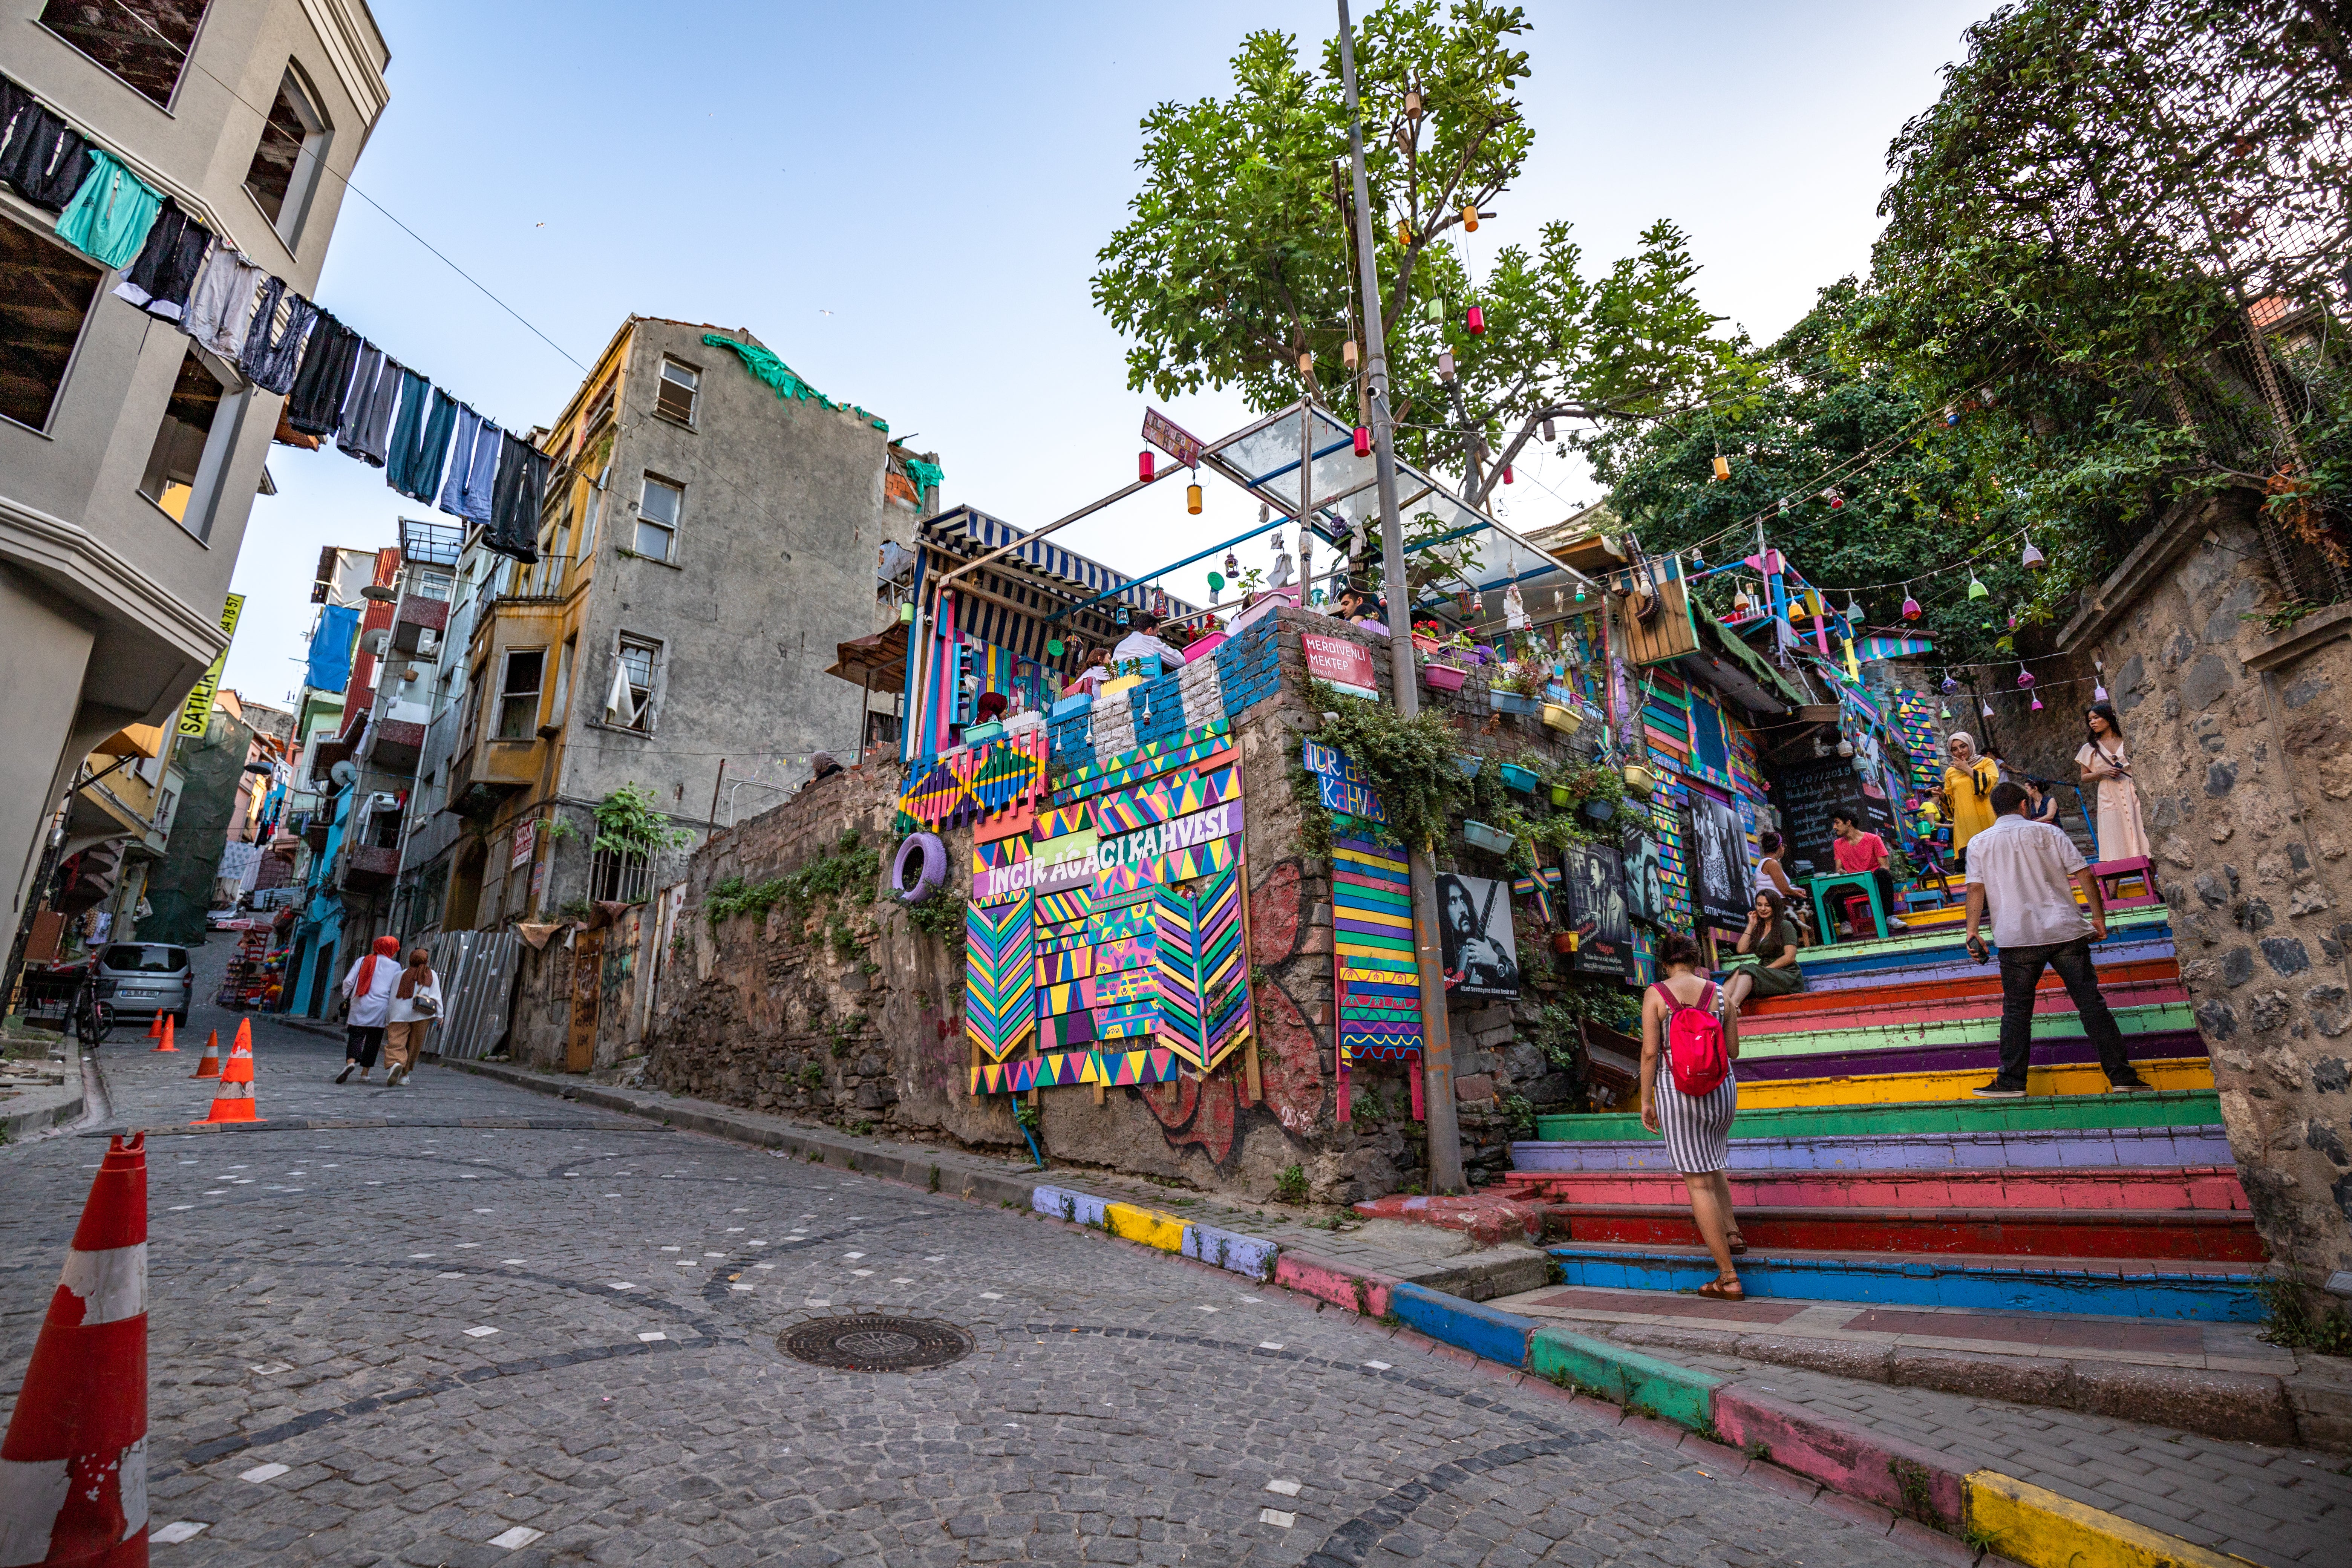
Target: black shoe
<point>346,1072</point>
<point>1997,1090</point>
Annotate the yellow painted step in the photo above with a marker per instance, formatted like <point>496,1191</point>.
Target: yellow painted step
<point>2042,1529</point>
<point>1886,1089</point>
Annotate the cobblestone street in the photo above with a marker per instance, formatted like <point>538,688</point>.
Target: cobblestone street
<point>553,1339</point>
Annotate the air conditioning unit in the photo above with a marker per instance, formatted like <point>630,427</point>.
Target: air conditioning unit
<point>427,639</point>
<point>376,641</point>
<point>384,800</point>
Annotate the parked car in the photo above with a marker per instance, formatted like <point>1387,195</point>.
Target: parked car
<point>222,920</point>
<point>140,978</point>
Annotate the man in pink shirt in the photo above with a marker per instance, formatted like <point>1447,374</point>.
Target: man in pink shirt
<point>1858,851</point>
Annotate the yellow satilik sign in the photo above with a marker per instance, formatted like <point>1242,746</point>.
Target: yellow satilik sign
<point>197,711</point>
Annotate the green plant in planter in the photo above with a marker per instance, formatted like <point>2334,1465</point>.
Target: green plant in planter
<point>1409,763</point>
<point>628,822</point>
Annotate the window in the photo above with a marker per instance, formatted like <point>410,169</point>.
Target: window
<point>640,657</point>
<point>45,291</point>
<point>191,445</point>
<point>164,809</point>
<point>430,586</point>
<point>519,694</point>
<point>133,958</point>
<point>657,512</point>
<point>679,385</point>
<point>284,167</point>
<point>144,42</point>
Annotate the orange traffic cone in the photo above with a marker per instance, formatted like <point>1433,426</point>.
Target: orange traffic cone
<point>76,1453</point>
<point>234,1100</point>
<point>209,1066</point>
<point>167,1045</point>
<point>155,1028</point>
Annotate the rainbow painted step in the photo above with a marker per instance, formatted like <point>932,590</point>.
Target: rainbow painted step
<point>1981,1058</point>
<point>2197,1292</point>
<point>2152,1018</point>
<point>2198,1107</point>
<point>2172,1236</point>
<point>1914,1153</point>
<point>2098,1191</point>
<point>1980,985</point>
<point>1904,1010</point>
<point>1942,947</point>
<point>2043,1079</point>
<point>1821,978</point>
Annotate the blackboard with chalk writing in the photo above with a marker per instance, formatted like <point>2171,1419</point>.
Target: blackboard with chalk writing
<point>1806,793</point>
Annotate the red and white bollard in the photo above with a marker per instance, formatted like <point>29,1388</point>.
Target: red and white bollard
<point>73,1468</point>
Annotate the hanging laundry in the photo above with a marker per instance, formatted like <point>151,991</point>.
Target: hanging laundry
<point>160,281</point>
<point>414,467</point>
<point>45,159</point>
<point>473,468</point>
<point>220,306</point>
<point>271,354</point>
<point>109,218</point>
<point>406,428</point>
<point>16,98</point>
<point>315,407</point>
<point>286,436</point>
<point>514,509</point>
<point>366,432</point>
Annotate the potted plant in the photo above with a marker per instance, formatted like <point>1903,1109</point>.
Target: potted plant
<point>1521,779</point>
<point>1492,839</point>
<point>1513,687</point>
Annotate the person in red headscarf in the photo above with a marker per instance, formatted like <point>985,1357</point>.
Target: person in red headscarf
<point>367,1000</point>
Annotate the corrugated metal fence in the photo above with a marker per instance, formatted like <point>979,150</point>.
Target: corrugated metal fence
<point>477,976</point>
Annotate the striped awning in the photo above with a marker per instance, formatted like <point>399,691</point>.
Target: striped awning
<point>967,533</point>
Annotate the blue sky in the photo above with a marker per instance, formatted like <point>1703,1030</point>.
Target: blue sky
<point>906,206</point>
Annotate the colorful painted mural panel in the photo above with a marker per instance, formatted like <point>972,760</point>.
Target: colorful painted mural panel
<point>999,1007</point>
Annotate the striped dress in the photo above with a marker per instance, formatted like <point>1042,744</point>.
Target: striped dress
<point>1696,1128</point>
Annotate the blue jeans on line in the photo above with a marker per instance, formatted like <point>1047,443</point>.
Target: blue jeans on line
<point>2021,976</point>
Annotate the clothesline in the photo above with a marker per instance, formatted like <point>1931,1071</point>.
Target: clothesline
<point>337,384</point>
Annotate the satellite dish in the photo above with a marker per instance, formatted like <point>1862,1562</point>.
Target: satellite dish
<point>343,773</point>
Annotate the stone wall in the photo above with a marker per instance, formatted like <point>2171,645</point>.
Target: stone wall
<point>756,1012</point>
<point>2242,743</point>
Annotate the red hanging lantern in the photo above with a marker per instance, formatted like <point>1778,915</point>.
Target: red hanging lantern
<point>1363,441</point>
<point>1143,467</point>
<point>1476,321</point>
<point>1506,474</point>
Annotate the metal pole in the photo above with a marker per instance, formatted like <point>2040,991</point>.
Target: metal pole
<point>1437,1045</point>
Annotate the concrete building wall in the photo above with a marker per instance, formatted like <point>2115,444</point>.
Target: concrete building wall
<point>74,528</point>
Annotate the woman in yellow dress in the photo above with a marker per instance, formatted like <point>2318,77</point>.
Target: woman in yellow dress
<point>1968,789</point>
<point>2122,834</point>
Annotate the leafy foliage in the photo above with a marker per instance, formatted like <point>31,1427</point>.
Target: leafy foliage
<point>1408,762</point>
<point>629,823</point>
<point>1239,254</point>
<point>847,873</point>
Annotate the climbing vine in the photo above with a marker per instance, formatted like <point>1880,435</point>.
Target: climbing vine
<point>1408,762</point>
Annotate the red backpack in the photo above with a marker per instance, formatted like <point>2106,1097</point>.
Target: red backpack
<point>1694,1051</point>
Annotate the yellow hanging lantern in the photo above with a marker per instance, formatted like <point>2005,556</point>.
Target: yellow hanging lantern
<point>1192,500</point>
<point>1722,466</point>
<point>1470,219</point>
<point>1405,235</point>
<point>1305,363</point>
<point>1347,353</point>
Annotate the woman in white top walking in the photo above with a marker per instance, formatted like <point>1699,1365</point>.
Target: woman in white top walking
<point>367,997</point>
<point>415,1003</point>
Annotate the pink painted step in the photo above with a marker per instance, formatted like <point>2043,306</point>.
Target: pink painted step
<point>1894,1010</point>
<point>2109,1188</point>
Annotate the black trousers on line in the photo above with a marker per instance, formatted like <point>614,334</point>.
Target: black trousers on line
<point>2020,974</point>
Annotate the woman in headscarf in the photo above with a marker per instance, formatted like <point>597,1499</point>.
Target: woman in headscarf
<point>415,1003</point>
<point>367,1002</point>
<point>2123,836</point>
<point>1968,791</point>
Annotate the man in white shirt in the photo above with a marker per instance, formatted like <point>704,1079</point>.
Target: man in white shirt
<point>2028,871</point>
<point>1144,642</point>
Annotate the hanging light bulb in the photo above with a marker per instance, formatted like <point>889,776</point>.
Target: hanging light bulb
<point>2099,687</point>
<point>2037,704</point>
<point>1470,220</point>
<point>1363,441</point>
<point>2024,677</point>
<point>1192,500</point>
<point>2033,560</point>
<point>1474,321</point>
<point>1740,603</point>
<point>1445,364</point>
<point>1950,685</point>
<point>1845,744</point>
<point>1233,565</point>
<point>1698,561</point>
<point>1976,590</point>
<point>1988,707</point>
<point>1347,353</point>
<point>1144,468</point>
<point>1943,709</point>
<point>2098,692</point>
<point>1580,591</point>
<point>1911,611</point>
<point>1835,500</point>
<point>1951,414</point>
<point>1853,609</point>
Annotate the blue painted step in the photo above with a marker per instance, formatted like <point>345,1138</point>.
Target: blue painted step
<point>1918,953</point>
<point>2035,1149</point>
<point>1831,976</point>
<point>2212,1293</point>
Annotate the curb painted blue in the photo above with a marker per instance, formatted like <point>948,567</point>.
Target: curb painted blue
<point>1061,1202</point>
<point>1465,1325</point>
<point>1251,1256</point>
<point>1919,1282</point>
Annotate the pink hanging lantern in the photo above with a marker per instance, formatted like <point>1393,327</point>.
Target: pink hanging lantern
<point>1506,474</point>
<point>2024,677</point>
<point>1474,323</point>
<point>1363,441</point>
<point>2037,705</point>
<point>1911,611</point>
<point>1143,466</point>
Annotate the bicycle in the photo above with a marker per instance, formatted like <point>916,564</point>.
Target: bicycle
<point>93,1020</point>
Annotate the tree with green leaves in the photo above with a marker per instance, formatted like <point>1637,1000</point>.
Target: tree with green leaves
<point>1236,267</point>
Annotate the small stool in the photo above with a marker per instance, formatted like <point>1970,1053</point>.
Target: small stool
<point>2139,872</point>
<point>1863,882</point>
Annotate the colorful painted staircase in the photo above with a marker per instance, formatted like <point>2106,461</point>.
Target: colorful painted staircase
<point>1865,1171</point>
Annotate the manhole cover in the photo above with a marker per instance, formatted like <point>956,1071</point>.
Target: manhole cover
<point>869,1342</point>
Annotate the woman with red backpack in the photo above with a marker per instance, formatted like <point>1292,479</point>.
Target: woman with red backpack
<point>1688,1095</point>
